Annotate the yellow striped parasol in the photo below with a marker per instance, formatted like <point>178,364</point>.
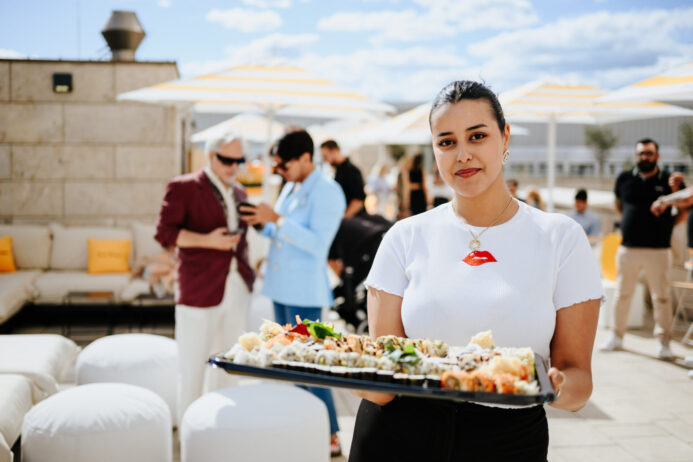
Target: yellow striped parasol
<point>556,102</point>
<point>674,85</point>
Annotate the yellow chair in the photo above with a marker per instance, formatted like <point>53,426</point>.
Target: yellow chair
<point>608,257</point>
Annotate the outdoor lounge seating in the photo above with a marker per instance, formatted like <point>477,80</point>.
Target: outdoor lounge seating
<point>31,369</point>
<point>51,263</point>
<point>107,422</point>
<point>256,422</point>
<point>145,360</point>
<point>15,402</point>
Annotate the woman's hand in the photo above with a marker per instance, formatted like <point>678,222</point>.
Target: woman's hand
<point>558,379</point>
<point>381,399</point>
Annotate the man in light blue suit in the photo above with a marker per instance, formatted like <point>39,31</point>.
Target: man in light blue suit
<point>302,225</point>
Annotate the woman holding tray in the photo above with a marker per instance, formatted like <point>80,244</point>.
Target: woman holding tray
<point>482,261</point>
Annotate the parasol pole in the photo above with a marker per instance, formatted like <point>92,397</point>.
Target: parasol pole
<point>551,164</point>
<point>266,161</point>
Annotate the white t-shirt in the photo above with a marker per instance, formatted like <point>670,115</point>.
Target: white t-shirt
<point>543,263</point>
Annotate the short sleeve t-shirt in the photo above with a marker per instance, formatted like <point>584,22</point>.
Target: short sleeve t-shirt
<point>639,226</point>
<point>543,262</point>
<point>350,179</point>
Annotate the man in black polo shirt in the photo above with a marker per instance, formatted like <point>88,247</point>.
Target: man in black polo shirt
<point>348,176</point>
<point>646,243</point>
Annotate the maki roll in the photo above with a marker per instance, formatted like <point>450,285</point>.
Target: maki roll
<point>383,375</point>
<point>327,358</point>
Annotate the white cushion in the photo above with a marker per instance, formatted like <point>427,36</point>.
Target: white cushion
<point>53,286</point>
<point>134,287</point>
<point>70,244</point>
<point>105,422</point>
<point>149,361</point>
<point>145,245</point>
<point>256,422</point>
<point>15,401</point>
<point>31,245</point>
<point>15,290</point>
<point>42,358</point>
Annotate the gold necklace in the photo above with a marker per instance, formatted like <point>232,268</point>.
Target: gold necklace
<point>475,243</point>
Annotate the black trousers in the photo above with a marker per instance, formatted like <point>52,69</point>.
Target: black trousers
<point>417,429</point>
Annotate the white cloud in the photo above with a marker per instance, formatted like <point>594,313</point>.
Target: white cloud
<point>163,3</point>
<point>595,48</point>
<point>268,3</point>
<point>11,54</point>
<point>284,46</point>
<point>438,19</point>
<point>245,20</point>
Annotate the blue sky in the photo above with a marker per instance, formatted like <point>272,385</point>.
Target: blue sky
<point>394,50</point>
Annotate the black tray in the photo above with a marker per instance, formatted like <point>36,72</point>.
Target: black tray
<point>546,392</point>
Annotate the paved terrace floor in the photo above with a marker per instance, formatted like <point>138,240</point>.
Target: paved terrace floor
<point>641,408</point>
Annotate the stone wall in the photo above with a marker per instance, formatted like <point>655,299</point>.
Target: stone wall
<point>83,157</point>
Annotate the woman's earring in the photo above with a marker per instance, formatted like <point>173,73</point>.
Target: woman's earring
<point>506,156</point>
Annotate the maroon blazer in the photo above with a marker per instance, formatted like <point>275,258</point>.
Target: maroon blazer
<point>190,203</point>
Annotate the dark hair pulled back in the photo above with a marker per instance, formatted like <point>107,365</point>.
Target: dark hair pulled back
<point>459,90</point>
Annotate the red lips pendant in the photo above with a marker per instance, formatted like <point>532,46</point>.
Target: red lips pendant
<point>479,257</point>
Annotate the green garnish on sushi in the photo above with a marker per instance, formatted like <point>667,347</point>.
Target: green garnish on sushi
<point>319,330</point>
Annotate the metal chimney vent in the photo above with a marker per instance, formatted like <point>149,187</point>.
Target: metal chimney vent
<point>123,33</point>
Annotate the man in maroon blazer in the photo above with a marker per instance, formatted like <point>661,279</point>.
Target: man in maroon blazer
<point>199,217</point>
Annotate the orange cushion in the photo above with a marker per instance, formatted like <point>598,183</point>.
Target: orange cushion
<point>108,255</point>
<point>6,257</point>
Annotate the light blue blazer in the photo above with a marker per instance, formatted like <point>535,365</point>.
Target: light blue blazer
<point>296,271</point>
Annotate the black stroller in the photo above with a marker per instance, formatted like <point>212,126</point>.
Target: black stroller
<point>355,245</point>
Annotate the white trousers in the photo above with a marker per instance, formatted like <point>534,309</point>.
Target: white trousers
<point>201,332</point>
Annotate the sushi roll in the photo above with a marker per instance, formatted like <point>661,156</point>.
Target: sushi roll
<point>322,369</point>
<point>433,381</point>
<point>401,378</point>
<point>369,361</point>
<point>350,359</point>
<point>338,371</point>
<point>383,375</point>
<point>386,364</point>
<point>369,373</point>
<point>417,380</point>
<point>231,354</point>
<point>328,358</point>
<point>289,353</point>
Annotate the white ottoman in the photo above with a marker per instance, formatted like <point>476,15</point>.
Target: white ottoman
<point>149,361</point>
<point>105,422</point>
<point>256,423</point>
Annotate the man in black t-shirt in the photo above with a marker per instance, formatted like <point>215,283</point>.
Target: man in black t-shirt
<point>646,243</point>
<point>348,176</point>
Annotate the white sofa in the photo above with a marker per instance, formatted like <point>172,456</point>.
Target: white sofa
<point>51,261</point>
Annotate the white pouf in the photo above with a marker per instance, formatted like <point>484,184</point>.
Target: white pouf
<point>256,422</point>
<point>105,422</point>
<point>149,361</point>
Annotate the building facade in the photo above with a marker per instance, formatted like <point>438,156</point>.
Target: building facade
<point>77,155</point>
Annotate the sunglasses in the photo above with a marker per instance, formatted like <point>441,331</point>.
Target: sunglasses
<point>281,165</point>
<point>230,160</point>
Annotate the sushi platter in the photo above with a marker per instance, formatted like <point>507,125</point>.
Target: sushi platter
<point>312,354</point>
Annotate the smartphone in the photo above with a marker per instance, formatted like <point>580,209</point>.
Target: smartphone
<point>245,204</point>
<point>232,233</point>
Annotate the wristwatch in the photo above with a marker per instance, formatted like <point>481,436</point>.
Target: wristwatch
<point>280,221</point>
